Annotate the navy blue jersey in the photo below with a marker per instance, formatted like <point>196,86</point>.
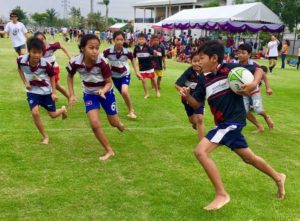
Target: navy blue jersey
<point>144,55</point>
<point>189,79</point>
<point>225,105</point>
<point>157,60</point>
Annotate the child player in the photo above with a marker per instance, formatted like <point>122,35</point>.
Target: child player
<point>255,98</point>
<point>190,79</point>
<point>48,54</point>
<point>158,61</point>
<point>230,118</point>
<point>95,75</point>
<point>118,57</point>
<point>144,53</point>
<point>38,78</point>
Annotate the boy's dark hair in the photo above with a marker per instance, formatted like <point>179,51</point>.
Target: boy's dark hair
<point>13,14</point>
<point>39,33</point>
<point>154,37</point>
<point>193,54</point>
<point>245,47</point>
<point>84,40</point>
<point>34,43</point>
<point>211,48</point>
<point>264,68</point>
<point>117,33</point>
<point>141,35</point>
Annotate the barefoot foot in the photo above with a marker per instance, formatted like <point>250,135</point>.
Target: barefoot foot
<point>158,94</point>
<point>131,115</point>
<point>106,156</point>
<point>280,184</point>
<point>269,122</point>
<point>146,96</point>
<point>64,114</point>
<point>45,140</point>
<point>121,127</point>
<point>218,202</point>
<point>259,130</point>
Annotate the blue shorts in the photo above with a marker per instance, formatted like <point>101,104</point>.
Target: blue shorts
<point>18,49</point>
<point>43,100</point>
<point>118,82</point>
<point>190,111</point>
<point>94,101</point>
<point>228,134</point>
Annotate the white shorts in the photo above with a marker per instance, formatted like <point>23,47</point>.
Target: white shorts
<point>254,100</point>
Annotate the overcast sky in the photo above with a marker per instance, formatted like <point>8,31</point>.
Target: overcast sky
<point>117,8</point>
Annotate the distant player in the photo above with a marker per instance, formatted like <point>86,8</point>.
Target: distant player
<point>254,100</point>
<point>230,118</point>
<point>190,79</point>
<point>39,80</point>
<point>48,53</point>
<point>144,53</point>
<point>272,52</point>
<point>158,61</point>
<point>118,57</point>
<point>95,75</point>
<point>17,33</point>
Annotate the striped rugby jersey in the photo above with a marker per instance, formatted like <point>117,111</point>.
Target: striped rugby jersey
<point>92,78</point>
<point>144,54</point>
<point>48,52</point>
<point>37,77</point>
<point>118,61</point>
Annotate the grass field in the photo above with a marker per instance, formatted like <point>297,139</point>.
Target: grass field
<point>154,175</point>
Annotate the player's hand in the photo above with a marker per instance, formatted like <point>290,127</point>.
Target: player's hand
<point>101,94</point>
<point>247,89</point>
<point>27,86</point>
<point>139,76</point>
<point>269,91</point>
<point>72,98</point>
<point>184,91</point>
<point>54,96</point>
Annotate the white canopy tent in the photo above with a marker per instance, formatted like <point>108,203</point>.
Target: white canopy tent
<point>117,26</point>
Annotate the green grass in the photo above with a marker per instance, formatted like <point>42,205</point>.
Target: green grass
<point>154,175</point>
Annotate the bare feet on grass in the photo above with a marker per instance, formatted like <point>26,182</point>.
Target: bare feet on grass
<point>121,127</point>
<point>157,94</point>
<point>131,115</point>
<point>146,96</point>
<point>259,130</point>
<point>45,140</point>
<point>269,122</point>
<point>280,184</point>
<point>64,114</point>
<point>218,202</point>
<point>107,155</point>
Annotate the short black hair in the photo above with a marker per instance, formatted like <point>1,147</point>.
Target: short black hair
<point>154,37</point>
<point>13,14</point>
<point>245,47</point>
<point>36,34</point>
<point>117,33</point>
<point>193,54</point>
<point>84,40</point>
<point>34,43</point>
<point>211,48</point>
<point>141,35</point>
<point>264,68</point>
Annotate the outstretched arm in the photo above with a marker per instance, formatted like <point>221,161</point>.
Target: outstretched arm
<point>185,92</point>
<point>65,51</point>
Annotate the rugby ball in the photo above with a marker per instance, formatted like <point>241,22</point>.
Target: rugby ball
<point>239,76</point>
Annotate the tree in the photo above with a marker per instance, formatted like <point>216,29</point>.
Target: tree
<point>96,21</point>
<point>51,21</point>
<point>76,17</point>
<point>22,17</point>
<point>214,3</point>
<point>40,18</point>
<point>106,3</point>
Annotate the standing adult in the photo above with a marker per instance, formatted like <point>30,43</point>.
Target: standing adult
<point>17,33</point>
<point>284,52</point>
<point>272,52</point>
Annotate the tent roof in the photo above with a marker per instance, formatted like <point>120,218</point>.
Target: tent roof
<point>117,26</point>
<point>162,2</point>
<point>252,12</point>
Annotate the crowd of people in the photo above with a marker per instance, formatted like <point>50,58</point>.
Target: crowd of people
<point>205,79</point>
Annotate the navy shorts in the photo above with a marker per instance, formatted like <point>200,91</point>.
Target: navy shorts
<point>43,100</point>
<point>118,82</point>
<point>228,134</point>
<point>18,49</point>
<point>94,101</point>
<point>190,111</point>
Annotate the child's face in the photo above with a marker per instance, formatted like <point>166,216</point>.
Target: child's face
<point>141,40</point>
<point>207,63</point>
<point>155,41</point>
<point>243,55</point>
<point>119,41</point>
<point>91,50</point>
<point>196,63</point>
<point>35,55</point>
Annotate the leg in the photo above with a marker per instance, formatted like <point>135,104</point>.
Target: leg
<point>62,90</point>
<point>22,51</point>
<point>59,112</point>
<point>253,120</point>
<point>158,82</point>
<point>249,157</point>
<point>39,124</point>
<point>202,152</point>
<point>267,119</point>
<point>126,97</point>
<point>155,87</point>
<point>199,121</point>
<point>144,83</point>
<point>93,116</point>
<point>114,121</point>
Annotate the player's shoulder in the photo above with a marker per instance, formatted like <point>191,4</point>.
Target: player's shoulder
<point>77,59</point>
<point>22,59</point>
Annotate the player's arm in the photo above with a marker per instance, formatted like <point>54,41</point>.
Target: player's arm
<point>106,88</point>
<point>64,49</point>
<point>248,88</point>
<point>26,84</point>
<point>53,85</point>
<point>185,92</point>
<point>164,60</point>
<point>72,98</point>
<point>267,84</point>
<point>135,69</point>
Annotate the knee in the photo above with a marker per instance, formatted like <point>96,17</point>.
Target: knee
<point>199,153</point>
<point>199,121</point>
<point>114,123</point>
<point>95,125</point>
<point>249,159</point>
<point>35,113</point>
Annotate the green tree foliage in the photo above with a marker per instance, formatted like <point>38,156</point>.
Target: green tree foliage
<point>76,19</point>
<point>96,21</point>
<point>214,3</point>
<point>21,14</point>
<point>40,18</point>
<point>52,17</point>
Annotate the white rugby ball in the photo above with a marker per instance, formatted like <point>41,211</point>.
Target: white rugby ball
<point>238,76</point>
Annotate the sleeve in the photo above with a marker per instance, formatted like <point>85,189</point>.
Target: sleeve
<point>24,29</point>
<point>151,51</point>
<point>105,53</point>
<point>71,68</point>
<point>50,70</point>
<point>134,52</point>
<point>130,55</point>
<point>19,61</point>
<point>200,92</point>
<point>163,52</point>
<point>182,79</point>
<point>7,28</point>
<point>105,69</point>
<point>56,46</point>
